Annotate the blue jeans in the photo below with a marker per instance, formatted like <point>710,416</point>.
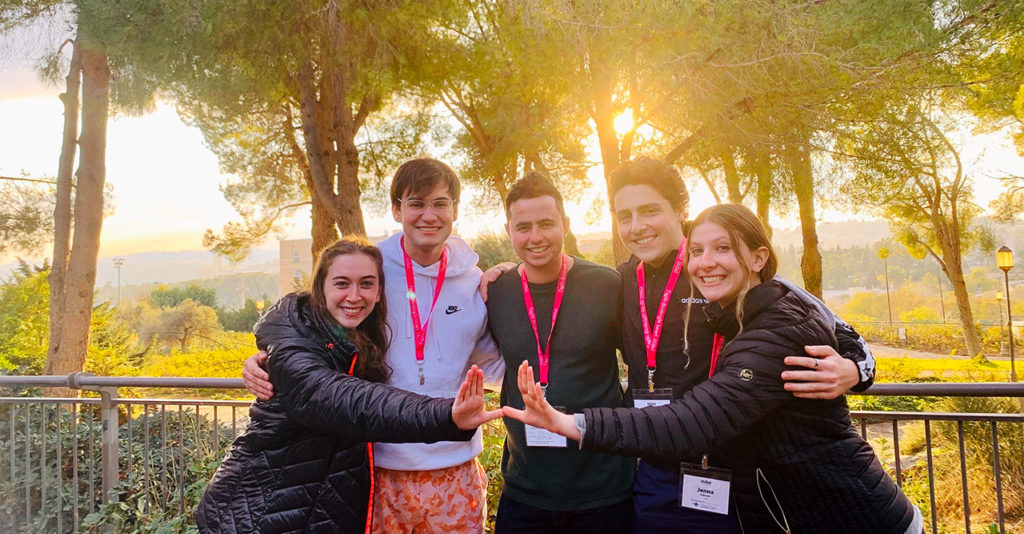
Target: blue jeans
<point>656,507</point>
<point>516,517</point>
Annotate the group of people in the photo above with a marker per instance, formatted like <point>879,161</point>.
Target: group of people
<point>370,394</point>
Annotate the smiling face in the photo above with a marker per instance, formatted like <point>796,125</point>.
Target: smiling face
<point>648,225</point>
<point>720,266</point>
<point>427,221</point>
<point>351,288</point>
<point>537,230</point>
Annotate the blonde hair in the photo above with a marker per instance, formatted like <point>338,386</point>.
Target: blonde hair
<point>744,228</point>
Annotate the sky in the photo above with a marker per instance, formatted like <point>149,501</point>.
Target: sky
<point>166,182</point>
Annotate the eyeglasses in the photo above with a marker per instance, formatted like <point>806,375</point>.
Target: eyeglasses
<point>417,206</point>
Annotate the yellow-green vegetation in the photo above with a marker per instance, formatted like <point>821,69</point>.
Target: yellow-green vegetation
<point>945,445</point>
<point>911,369</point>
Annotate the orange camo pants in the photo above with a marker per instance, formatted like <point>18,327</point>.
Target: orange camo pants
<point>449,501</point>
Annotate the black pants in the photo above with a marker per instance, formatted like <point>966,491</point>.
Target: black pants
<point>517,517</point>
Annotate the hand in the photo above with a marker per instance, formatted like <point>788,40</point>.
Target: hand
<point>256,380</point>
<point>830,374</point>
<point>468,410</point>
<point>538,412</point>
<point>492,274</point>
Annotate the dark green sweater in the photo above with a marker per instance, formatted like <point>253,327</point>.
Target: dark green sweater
<point>583,374</point>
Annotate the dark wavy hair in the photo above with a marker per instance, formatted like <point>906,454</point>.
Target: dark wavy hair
<point>372,336</point>
<point>663,177</point>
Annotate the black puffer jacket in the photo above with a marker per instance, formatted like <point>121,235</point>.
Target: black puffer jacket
<point>303,463</point>
<point>824,477</point>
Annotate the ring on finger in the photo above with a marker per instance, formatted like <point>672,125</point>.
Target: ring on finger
<point>816,361</point>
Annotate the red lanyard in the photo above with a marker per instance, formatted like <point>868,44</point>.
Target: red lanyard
<point>544,354</point>
<point>716,348</point>
<point>420,332</point>
<point>651,340</point>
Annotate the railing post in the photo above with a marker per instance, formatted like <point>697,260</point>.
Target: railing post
<point>108,434</point>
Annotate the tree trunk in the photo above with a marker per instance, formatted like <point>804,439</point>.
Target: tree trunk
<point>81,274</point>
<point>62,210</point>
<point>603,114</point>
<point>963,305</point>
<point>732,176</point>
<point>323,231</point>
<point>803,184</point>
<point>351,221</point>
<point>761,165</point>
<point>952,264</point>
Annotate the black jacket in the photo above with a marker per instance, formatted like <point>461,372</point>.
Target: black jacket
<point>302,465</point>
<point>682,371</point>
<point>824,476</point>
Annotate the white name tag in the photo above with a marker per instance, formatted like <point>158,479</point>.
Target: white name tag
<point>657,397</point>
<point>705,489</point>
<point>538,437</point>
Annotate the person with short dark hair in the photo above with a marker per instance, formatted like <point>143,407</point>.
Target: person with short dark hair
<point>554,310</point>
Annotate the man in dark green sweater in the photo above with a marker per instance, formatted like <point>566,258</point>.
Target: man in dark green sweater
<point>560,313</point>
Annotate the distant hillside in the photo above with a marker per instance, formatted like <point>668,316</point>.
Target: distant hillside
<point>836,234</point>
<point>232,290</point>
<point>170,267</point>
<point>831,235</point>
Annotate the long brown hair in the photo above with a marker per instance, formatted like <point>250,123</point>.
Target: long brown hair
<point>743,227</point>
<point>371,337</point>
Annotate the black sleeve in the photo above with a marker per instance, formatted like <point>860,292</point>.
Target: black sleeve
<point>321,398</point>
<point>744,390</point>
<point>853,347</point>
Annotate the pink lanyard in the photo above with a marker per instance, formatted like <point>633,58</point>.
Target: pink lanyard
<point>420,332</point>
<point>651,340</point>
<point>544,354</point>
<point>716,348</point>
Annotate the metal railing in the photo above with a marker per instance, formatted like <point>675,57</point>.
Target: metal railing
<point>62,459</point>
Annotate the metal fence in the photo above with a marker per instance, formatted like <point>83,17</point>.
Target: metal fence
<point>138,459</point>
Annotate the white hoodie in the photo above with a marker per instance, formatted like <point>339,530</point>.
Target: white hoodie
<point>457,338</point>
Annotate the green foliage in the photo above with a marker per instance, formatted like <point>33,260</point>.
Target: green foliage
<point>165,297</point>
<point>24,328</point>
<point>24,320</point>
<point>493,249</point>
<point>26,217</point>
<point>240,320</point>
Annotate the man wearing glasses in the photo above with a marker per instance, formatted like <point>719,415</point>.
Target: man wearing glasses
<point>438,326</point>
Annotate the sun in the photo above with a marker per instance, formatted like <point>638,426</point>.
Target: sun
<point>624,122</point>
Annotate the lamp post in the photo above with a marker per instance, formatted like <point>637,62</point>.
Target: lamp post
<point>118,262</point>
<point>1003,351</point>
<point>1004,259</point>
<point>884,254</point>
<point>938,278</point>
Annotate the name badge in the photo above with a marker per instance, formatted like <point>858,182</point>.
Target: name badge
<point>539,437</point>
<point>642,398</point>
<point>704,489</point>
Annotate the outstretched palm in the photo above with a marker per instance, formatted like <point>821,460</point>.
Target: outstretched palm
<point>468,409</point>
<point>537,411</point>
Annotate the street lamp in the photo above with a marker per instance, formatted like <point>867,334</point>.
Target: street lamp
<point>118,262</point>
<point>884,254</point>
<point>1004,259</point>
<point>1003,351</point>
